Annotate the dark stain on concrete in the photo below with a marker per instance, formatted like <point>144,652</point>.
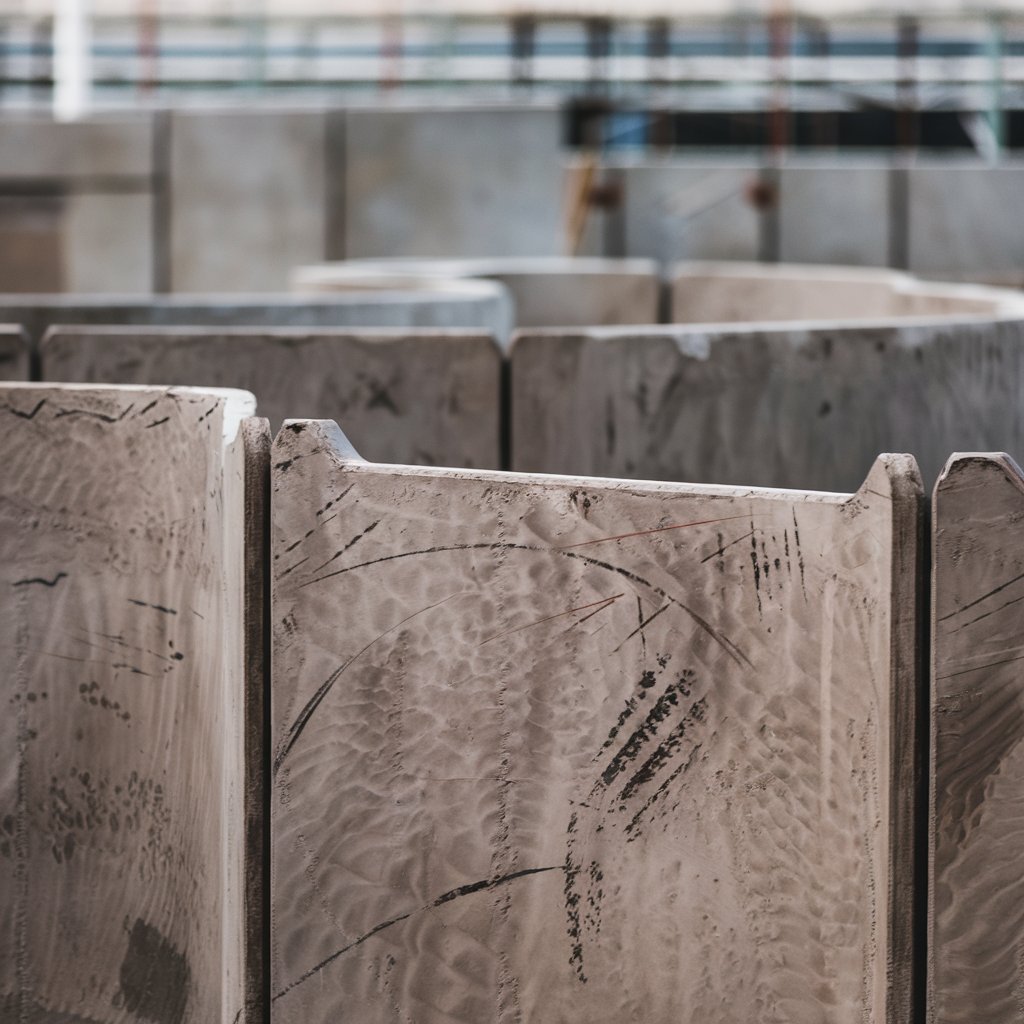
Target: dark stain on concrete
<point>155,977</point>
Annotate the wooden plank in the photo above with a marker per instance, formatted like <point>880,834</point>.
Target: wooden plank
<point>421,397</point>
<point>798,405</point>
<point>579,749</point>
<point>975,916</point>
<point>133,649</point>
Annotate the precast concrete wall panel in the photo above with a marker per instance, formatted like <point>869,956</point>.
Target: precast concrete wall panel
<point>966,221</point>
<point>478,304</point>
<point>108,244</point>
<point>679,211</point>
<point>545,291</point>
<point>130,780</point>
<point>437,181</point>
<point>835,213</point>
<point>249,197</point>
<point>975,919</point>
<point>795,405</point>
<point>94,153</point>
<point>580,749</point>
<point>419,397</point>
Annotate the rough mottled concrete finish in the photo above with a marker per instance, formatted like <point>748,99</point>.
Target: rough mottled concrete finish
<point>131,744</point>
<point>727,293</point>
<point>783,406</point>
<point>572,749</point>
<point>429,180</point>
<point>13,353</point>
<point>418,397</point>
<point>976,913</point>
<point>480,304</point>
<point>546,291</point>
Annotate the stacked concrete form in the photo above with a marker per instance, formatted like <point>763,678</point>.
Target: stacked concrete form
<point>423,397</point>
<point>131,867</point>
<point>483,305</point>
<point>546,291</point>
<point>579,748</point>
<point>977,722</point>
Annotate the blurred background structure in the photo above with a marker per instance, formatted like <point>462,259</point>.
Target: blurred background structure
<point>186,146</point>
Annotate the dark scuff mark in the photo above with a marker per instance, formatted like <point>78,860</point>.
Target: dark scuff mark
<point>721,550</point>
<point>155,607</point>
<point>101,416</point>
<point>609,427</point>
<point>799,553</point>
<point>25,415</point>
<point>640,627</point>
<point>463,890</point>
<point>380,398</point>
<point>155,977</point>
<point>757,568</point>
<point>157,423</point>
<point>665,750</point>
<point>39,579</point>
<point>295,731</point>
<point>355,540</point>
<point>632,829</point>
<point>643,625</point>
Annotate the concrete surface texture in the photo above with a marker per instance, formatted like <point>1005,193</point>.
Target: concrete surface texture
<point>121,851</point>
<point>13,353</point>
<point>480,304</point>
<point>975,920</point>
<point>851,195</point>
<point>578,749</point>
<point>965,221</point>
<point>789,406</point>
<point>683,210</point>
<point>245,183</point>
<point>436,181</point>
<point>423,397</point>
<point>548,291</point>
<point>711,292</point>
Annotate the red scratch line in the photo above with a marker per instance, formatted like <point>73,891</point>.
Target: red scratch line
<point>643,533</point>
<point>548,618</point>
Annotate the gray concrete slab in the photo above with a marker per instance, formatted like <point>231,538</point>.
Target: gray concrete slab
<point>975,919</point>
<point>790,406</point>
<point>14,353</point>
<point>478,304</point>
<point>834,213</point>
<point>248,197</point>
<point>420,397</point>
<point>450,181</point>
<point>122,836</point>
<point>112,146</point>
<point>552,291</point>
<point>108,244</point>
<point>966,220</point>
<point>681,210</point>
<point>569,748</point>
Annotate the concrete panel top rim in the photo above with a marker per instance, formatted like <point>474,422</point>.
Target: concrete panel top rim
<point>484,266</point>
<point>614,332</point>
<point>487,290</point>
<point>199,331</point>
<point>361,465</point>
